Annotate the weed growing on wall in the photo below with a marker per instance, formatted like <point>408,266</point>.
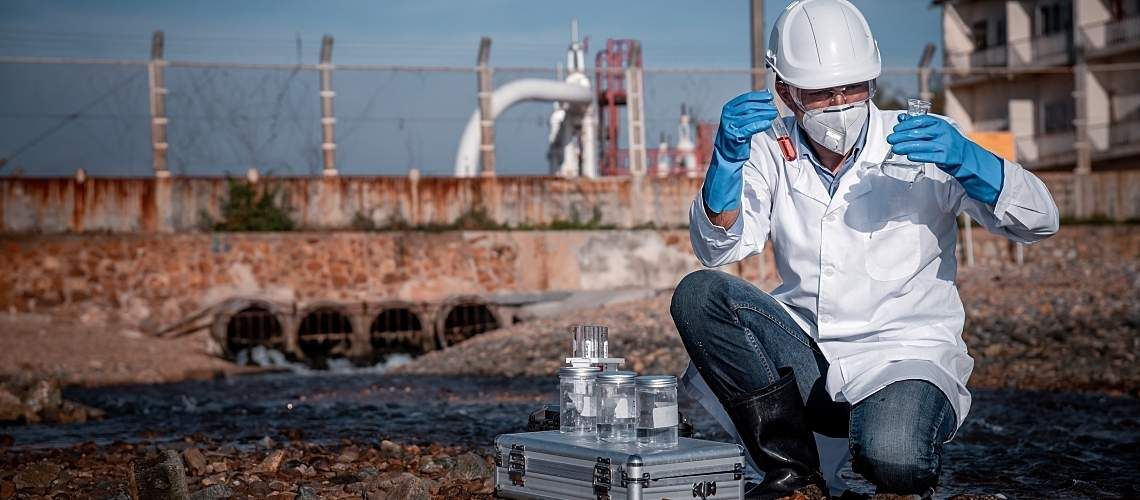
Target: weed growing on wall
<point>247,208</point>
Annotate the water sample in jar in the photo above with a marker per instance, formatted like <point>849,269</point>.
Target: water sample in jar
<point>617,406</point>
<point>783,138</point>
<point>657,415</point>
<point>899,167</point>
<point>590,341</point>
<point>578,407</point>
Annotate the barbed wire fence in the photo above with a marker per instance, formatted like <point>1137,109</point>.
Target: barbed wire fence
<point>58,114</point>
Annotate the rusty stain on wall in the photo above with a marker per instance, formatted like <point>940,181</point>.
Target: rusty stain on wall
<point>59,205</point>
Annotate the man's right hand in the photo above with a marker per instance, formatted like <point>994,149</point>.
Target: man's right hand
<point>745,115</point>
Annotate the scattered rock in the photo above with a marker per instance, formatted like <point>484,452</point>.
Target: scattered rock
<point>11,407</point>
<point>279,486</point>
<point>162,477</point>
<point>399,486</point>
<point>195,460</point>
<point>214,492</point>
<point>272,461</point>
<point>348,455</point>
<point>390,449</point>
<point>37,475</point>
<point>305,493</point>
<point>469,466</point>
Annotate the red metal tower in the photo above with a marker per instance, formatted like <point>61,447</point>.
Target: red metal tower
<point>609,72</point>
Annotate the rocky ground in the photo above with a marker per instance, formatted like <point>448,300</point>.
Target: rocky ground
<point>83,346</point>
<point>1034,327</point>
<point>425,431</point>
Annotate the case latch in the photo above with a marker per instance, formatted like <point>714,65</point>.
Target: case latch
<point>704,489</point>
<point>516,464</point>
<point>602,479</point>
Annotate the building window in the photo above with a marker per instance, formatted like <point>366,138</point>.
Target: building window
<point>1054,17</point>
<point>1000,39</point>
<point>1057,116</point>
<point>978,31</point>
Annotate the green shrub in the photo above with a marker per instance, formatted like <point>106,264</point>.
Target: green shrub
<point>247,208</point>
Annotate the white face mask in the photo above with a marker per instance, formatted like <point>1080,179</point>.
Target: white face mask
<point>836,127</point>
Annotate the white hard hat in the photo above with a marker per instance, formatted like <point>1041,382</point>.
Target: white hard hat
<point>818,44</point>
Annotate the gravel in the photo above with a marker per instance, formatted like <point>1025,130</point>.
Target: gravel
<point>1051,327</point>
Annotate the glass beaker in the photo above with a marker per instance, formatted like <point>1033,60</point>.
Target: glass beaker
<point>657,415</point>
<point>617,407</point>
<point>899,167</point>
<point>590,341</point>
<point>578,407</point>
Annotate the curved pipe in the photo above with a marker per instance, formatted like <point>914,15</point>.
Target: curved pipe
<point>509,94</point>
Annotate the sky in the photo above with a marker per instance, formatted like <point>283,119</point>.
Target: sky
<point>226,120</point>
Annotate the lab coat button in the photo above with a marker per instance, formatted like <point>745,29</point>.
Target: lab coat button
<point>829,218</point>
<point>826,318</point>
<point>828,271</point>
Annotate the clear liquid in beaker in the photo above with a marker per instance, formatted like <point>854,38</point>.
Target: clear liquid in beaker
<point>899,167</point>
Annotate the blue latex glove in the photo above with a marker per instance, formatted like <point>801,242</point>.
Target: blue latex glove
<point>742,117</point>
<point>929,139</point>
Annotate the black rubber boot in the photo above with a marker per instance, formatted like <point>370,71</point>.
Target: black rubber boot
<point>771,425</point>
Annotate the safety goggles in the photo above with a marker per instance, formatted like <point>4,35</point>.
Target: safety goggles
<point>808,100</point>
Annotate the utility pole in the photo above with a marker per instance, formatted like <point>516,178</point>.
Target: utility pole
<point>486,121</point>
<point>158,119</point>
<point>328,121</point>
<point>1081,122</point>
<point>756,14</point>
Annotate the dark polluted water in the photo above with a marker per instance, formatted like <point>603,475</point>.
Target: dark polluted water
<point>1021,444</point>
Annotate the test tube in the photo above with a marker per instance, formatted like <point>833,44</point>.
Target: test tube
<point>783,137</point>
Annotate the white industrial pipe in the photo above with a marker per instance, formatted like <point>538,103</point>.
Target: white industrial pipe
<point>527,89</point>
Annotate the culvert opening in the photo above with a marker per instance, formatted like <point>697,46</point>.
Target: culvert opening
<point>396,331</point>
<point>467,320</point>
<point>324,333</point>
<point>252,327</point>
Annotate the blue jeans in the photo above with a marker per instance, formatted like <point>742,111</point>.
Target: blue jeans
<point>737,336</point>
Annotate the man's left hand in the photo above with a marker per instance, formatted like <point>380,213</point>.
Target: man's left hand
<point>929,139</point>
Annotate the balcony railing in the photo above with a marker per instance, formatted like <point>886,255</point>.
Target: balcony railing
<point>1106,35</point>
<point>990,57</point>
<point>1044,147</point>
<point>1124,30</point>
<point>1054,48</point>
<point>1124,133</point>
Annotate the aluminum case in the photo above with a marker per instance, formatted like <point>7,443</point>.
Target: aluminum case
<point>550,465</point>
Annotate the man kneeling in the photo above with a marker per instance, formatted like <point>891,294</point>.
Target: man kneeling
<point>863,337</point>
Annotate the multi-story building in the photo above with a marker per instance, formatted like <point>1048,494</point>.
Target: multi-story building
<point>1050,72</point>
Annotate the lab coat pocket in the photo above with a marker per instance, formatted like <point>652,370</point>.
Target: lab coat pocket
<point>892,253</point>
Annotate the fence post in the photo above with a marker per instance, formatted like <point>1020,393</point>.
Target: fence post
<point>328,121</point>
<point>968,237</point>
<point>756,13</point>
<point>158,119</point>
<point>486,121</point>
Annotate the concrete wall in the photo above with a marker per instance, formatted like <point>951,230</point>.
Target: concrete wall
<point>58,205</point>
<point>165,276</point>
<point>31,205</point>
<point>155,279</point>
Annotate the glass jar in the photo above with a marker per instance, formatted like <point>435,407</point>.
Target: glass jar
<point>578,408</point>
<point>617,407</point>
<point>657,411</point>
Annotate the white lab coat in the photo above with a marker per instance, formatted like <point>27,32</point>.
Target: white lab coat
<point>869,272</point>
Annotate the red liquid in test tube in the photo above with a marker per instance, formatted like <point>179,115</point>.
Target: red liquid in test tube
<point>784,139</point>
